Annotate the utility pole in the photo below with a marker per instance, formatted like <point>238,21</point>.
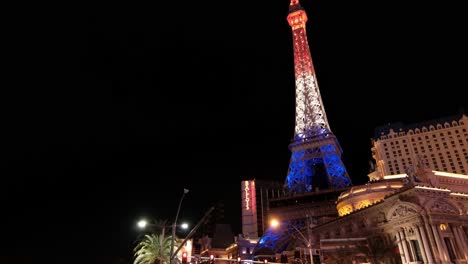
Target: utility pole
<point>174,224</point>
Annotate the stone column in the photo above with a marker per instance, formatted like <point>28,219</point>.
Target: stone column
<point>442,253</point>
<point>463,235</point>
<point>427,247</point>
<point>462,231</point>
<point>400,248</point>
<point>460,240</point>
<point>421,244</point>
<point>435,249</point>
<point>458,245</point>
<point>405,245</point>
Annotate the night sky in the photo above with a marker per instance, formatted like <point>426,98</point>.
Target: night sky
<point>110,111</point>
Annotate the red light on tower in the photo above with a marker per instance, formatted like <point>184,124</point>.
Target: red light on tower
<point>184,258</point>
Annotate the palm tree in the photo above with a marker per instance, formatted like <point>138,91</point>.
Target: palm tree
<point>153,249</point>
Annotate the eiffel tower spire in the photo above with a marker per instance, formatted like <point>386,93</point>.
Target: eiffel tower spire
<point>316,154</point>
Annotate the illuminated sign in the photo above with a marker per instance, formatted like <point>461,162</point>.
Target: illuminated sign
<point>247,195</point>
<point>249,208</point>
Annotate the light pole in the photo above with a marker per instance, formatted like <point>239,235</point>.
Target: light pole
<point>156,226</point>
<point>275,223</point>
<point>171,257</point>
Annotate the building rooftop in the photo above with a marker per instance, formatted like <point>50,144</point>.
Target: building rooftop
<point>401,127</point>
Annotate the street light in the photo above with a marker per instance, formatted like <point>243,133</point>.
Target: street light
<point>142,224</point>
<point>274,223</point>
<point>171,257</point>
<point>156,225</point>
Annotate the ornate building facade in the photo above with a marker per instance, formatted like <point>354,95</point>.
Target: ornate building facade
<point>420,217</point>
<point>425,220</point>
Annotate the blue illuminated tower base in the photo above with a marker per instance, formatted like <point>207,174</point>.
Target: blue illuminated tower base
<point>316,164</point>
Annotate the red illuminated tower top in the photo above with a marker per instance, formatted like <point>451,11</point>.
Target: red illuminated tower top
<point>311,119</point>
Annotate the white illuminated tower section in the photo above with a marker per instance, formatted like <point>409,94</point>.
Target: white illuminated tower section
<point>316,154</point>
<point>310,114</point>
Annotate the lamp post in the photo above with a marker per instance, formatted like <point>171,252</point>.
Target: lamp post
<point>171,257</point>
<point>275,223</point>
<point>156,226</point>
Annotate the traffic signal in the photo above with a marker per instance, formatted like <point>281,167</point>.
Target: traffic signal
<point>184,258</point>
<point>211,259</point>
<point>265,261</point>
<point>239,260</point>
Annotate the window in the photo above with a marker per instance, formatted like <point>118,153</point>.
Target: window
<point>451,252</point>
<point>417,250</point>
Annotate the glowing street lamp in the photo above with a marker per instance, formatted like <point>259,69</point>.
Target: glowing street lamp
<point>156,226</point>
<point>142,224</point>
<point>152,225</point>
<point>274,223</point>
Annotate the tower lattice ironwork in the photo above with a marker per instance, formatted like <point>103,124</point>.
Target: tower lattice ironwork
<point>316,154</point>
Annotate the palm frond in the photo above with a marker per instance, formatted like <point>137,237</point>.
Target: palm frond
<point>153,249</point>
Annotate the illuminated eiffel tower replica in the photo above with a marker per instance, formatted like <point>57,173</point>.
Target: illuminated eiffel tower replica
<point>316,174</point>
<point>316,154</point>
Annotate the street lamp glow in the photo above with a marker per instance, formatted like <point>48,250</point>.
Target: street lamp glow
<point>184,225</point>
<point>142,224</point>
<point>274,223</point>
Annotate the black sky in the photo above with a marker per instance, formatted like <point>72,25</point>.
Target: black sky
<point>109,111</point>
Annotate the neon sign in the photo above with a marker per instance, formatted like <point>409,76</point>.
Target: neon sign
<point>247,195</point>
